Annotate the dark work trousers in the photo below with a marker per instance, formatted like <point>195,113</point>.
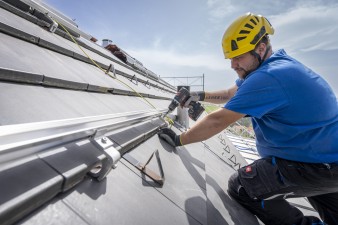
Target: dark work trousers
<point>263,186</point>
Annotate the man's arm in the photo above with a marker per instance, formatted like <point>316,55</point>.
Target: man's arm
<point>220,97</point>
<point>210,125</point>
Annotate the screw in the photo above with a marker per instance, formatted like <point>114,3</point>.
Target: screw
<point>104,140</point>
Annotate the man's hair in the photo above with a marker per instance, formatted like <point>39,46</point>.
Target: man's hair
<point>265,39</point>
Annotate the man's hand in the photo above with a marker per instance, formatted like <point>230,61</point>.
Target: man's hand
<point>195,96</point>
<point>170,137</point>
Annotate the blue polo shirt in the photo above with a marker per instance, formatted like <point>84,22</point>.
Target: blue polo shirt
<point>294,111</point>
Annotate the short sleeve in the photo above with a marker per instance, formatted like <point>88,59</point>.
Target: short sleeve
<point>239,82</point>
<point>258,95</point>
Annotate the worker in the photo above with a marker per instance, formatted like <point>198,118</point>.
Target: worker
<point>294,114</point>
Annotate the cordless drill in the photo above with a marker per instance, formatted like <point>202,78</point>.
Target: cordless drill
<point>195,108</point>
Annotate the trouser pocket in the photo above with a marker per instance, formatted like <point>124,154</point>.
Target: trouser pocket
<point>262,179</point>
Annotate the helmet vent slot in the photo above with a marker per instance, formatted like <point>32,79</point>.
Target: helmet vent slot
<point>244,32</point>
<point>253,21</point>
<point>258,36</point>
<point>240,38</point>
<point>257,19</point>
<point>233,45</point>
<point>248,26</point>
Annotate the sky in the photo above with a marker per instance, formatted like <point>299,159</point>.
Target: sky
<point>180,38</point>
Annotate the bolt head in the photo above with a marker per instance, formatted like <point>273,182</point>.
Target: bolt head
<point>104,140</point>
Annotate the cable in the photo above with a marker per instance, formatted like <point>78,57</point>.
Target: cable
<point>168,119</point>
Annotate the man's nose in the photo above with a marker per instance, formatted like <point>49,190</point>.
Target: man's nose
<point>234,63</point>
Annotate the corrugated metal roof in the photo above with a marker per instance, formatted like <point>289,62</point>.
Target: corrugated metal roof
<point>63,119</point>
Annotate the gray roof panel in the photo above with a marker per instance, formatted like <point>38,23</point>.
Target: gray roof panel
<point>51,64</point>
<point>221,208</point>
<point>184,177</point>
<point>35,103</point>
<point>103,203</point>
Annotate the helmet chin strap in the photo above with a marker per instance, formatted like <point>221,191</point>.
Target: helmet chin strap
<point>260,60</point>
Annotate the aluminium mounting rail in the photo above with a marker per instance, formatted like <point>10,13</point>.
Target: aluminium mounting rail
<point>38,136</point>
<point>52,157</point>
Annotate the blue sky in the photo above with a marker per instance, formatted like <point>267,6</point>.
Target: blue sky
<point>183,37</point>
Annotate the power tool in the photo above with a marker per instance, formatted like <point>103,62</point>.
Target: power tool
<point>195,108</point>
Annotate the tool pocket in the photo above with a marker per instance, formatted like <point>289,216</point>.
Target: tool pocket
<point>262,179</point>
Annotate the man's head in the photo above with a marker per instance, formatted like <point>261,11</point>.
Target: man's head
<point>246,43</point>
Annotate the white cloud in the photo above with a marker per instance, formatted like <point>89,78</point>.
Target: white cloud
<point>157,57</point>
<point>220,9</point>
<point>307,29</point>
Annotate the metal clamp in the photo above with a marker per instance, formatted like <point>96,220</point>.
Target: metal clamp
<point>147,84</point>
<point>134,79</point>
<point>112,156</point>
<point>54,25</point>
<point>111,68</point>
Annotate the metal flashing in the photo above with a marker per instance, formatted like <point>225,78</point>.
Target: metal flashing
<point>51,9</point>
<point>8,5</point>
<point>75,55</point>
<point>31,78</point>
<point>95,88</point>
<point>41,16</point>
<point>4,28</point>
<point>54,82</point>
<point>36,137</point>
<point>82,58</point>
<point>18,4</point>
<point>60,19</point>
<point>56,48</point>
<point>47,44</point>
<point>119,91</point>
<point>20,76</point>
<point>145,95</point>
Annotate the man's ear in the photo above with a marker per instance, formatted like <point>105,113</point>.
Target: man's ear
<point>261,49</point>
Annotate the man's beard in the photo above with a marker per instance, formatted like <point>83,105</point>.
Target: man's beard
<point>253,67</point>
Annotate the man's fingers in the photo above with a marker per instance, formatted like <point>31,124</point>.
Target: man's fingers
<point>168,139</point>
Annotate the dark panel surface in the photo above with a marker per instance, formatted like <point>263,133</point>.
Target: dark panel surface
<point>184,174</point>
<point>123,198</point>
<point>24,187</point>
<point>73,161</point>
<point>221,208</point>
<point>55,212</point>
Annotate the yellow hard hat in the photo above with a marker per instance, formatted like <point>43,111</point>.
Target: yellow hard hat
<point>244,33</point>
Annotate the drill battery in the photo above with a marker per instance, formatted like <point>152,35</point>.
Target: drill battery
<point>195,109</point>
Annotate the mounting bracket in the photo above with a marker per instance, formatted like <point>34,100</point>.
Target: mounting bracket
<point>112,156</point>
